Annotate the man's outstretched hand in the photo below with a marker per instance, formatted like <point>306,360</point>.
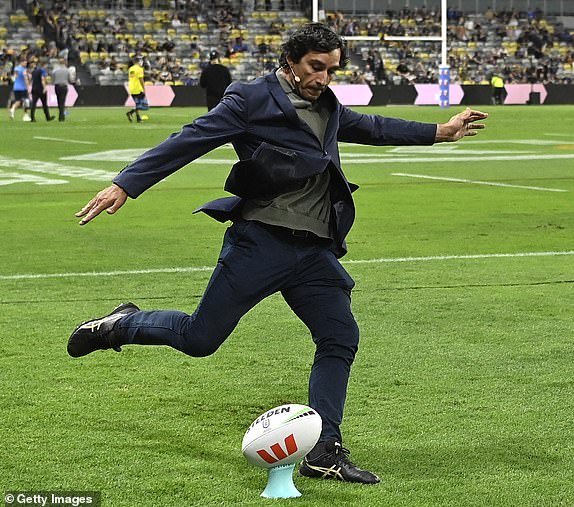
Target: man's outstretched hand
<point>460,125</point>
<point>110,199</point>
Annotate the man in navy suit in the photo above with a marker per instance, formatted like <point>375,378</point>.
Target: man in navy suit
<point>291,210</point>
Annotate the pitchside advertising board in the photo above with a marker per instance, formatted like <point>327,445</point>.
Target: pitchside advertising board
<point>349,95</point>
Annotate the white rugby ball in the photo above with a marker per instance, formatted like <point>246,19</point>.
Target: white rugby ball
<point>282,435</point>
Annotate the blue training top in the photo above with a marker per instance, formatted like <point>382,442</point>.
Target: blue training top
<point>20,82</point>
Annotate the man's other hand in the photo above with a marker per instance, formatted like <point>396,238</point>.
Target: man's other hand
<point>460,125</point>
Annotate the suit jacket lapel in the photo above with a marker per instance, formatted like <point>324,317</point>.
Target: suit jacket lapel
<point>284,103</point>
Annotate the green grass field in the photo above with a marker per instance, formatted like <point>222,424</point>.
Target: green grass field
<point>463,390</point>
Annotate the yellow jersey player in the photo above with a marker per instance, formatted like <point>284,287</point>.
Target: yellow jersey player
<point>137,89</point>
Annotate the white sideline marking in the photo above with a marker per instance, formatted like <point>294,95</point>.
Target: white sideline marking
<point>531,142</point>
<point>202,269</point>
<point>385,158</point>
<point>532,158</point>
<point>63,140</point>
<point>458,257</point>
<point>106,273</point>
<point>476,182</point>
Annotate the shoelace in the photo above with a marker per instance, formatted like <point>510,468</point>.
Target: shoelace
<point>343,454</point>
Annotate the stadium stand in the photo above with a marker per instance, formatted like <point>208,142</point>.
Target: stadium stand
<point>175,41</point>
<point>523,47</point>
<point>100,37</point>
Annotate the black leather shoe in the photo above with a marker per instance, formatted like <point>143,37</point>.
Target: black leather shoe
<point>330,459</point>
<point>96,334</point>
<point>129,115</point>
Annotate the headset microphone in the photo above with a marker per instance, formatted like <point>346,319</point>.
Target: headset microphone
<point>297,78</point>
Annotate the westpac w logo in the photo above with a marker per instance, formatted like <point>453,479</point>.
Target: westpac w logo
<point>277,450</point>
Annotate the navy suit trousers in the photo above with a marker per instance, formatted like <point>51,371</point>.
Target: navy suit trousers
<point>256,261</point>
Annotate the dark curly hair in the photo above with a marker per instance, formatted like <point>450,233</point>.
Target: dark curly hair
<point>313,37</point>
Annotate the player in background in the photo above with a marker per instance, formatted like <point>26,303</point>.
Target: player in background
<point>136,88</point>
<point>39,91</point>
<point>21,89</point>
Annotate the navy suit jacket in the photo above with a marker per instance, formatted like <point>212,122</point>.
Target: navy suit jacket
<point>277,150</point>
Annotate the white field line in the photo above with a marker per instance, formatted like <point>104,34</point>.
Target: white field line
<point>385,158</point>
<point>458,257</point>
<point>476,182</point>
<point>203,269</point>
<point>63,140</point>
<point>532,158</point>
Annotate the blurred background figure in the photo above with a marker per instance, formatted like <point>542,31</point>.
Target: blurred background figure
<point>136,86</point>
<point>215,78</point>
<point>39,91</point>
<point>61,77</point>
<point>497,84</point>
<point>20,89</point>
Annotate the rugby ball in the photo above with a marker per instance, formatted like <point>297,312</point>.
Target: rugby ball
<point>281,436</point>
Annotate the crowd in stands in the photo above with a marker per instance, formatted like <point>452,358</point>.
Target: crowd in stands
<point>176,42</point>
<point>522,47</point>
